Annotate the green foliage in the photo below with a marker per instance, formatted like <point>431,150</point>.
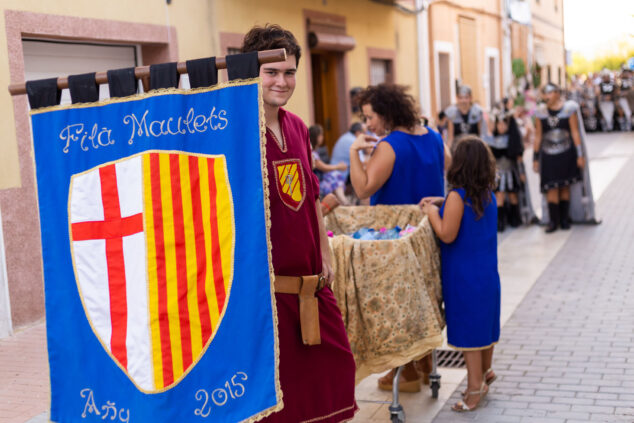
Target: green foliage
<point>519,68</point>
<point>612,61</point>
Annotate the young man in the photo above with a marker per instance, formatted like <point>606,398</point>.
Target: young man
<point>464,118</point>
<point>316,365</point>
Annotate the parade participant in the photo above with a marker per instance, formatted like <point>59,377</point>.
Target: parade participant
<point>333,177</point>
<point>407,165</point>
<point>558,154</point>
<point>506,146</point>
<point>624,93</point>
<point>606,91</point>
<point>464,117</point>
<point>627,86</point>
<point>316,365</point>
<point>466,227</point>
<point>524,122</point>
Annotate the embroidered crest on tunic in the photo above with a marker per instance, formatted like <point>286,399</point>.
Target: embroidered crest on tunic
<point>291,187</point>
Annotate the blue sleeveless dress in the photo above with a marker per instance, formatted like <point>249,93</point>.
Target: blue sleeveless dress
<point>418,169</point>
<point>470,280</point>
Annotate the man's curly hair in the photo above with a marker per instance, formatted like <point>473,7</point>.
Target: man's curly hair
<point>270,37</point>
<point>392,103</point>
<point>473,168</point>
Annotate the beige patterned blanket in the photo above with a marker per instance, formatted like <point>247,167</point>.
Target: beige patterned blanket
<point>389,291</point>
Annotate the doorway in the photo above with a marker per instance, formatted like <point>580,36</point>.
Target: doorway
<point>445,81</point>
<point>326,67</point>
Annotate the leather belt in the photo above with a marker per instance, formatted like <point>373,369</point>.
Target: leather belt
<point>306,287</point>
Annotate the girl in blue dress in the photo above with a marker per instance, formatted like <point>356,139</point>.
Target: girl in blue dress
<point>466,225</point>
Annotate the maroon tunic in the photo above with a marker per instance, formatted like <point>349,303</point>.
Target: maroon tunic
<point>317,381</point>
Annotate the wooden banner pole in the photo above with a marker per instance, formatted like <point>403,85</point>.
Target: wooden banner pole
<point>143,72</point>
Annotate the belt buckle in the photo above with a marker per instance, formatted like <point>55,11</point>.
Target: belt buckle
<point>321,282</point>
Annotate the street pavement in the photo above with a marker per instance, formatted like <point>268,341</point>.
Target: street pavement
<point>566,353</point>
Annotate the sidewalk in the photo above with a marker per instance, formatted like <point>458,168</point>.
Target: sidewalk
<point>567,346</point>
<point>24,386</point>
<point>567,352</point>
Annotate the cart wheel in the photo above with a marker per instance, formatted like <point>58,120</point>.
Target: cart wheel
<point>398,418</point>
<point>435,386</point>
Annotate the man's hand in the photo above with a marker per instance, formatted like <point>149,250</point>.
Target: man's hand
<point>536,166</point>
<point>326,270</point>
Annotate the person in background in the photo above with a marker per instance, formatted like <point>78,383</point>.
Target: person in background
<point>341,151</point>
<point>442,125</point>
<point>316,366</point>
<point>624,87</point>
<point>606,91</point>
<point>558,155</point>
<point>464,118</point>
<point>506,146</point>
<point>524,122</point>
<point>407,164</point>
<point>333,175</point>
<point>466,226</point>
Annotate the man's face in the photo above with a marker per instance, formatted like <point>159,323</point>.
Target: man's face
<point>464,100</point>
<point>278,81</point>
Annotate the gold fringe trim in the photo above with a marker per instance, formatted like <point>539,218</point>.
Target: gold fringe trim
<point>473,349</point>
<point>151,93</point>
<point>265,185</point>
<point>334,413</point>
<point>267,217</point>
<point>387,362</point>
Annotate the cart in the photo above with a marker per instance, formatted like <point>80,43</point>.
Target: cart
<point>389,292</point>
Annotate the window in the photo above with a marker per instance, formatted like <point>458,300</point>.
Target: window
<point>380,71</point>
<point>381,66</point>
<point>48,59</point>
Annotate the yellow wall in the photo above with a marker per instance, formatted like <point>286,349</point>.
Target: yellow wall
<point>548,33</point>
<point>444,24</point>
<point>192,18</point>
<point>371,25</point>
<point>198,23</point>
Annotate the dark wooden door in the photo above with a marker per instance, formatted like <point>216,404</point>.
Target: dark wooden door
<point>325,67</point>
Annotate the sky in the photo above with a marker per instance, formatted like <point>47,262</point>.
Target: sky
<point>592,27</point>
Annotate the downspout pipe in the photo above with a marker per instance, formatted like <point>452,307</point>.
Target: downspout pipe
<point>424,74</point>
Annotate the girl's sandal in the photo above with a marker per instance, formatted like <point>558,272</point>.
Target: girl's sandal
<point>487,380</point>
<point>461,406</point>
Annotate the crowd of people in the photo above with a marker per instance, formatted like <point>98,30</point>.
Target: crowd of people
<point>465,171</point>
<point>606,99</point>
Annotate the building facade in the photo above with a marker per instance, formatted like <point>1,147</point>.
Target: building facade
<point>465,47</point>
<point>345,43</point>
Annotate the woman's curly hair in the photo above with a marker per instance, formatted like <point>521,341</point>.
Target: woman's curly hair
<point>473,168</point>
<point>392,103</point>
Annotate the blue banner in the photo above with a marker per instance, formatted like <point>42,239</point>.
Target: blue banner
<point>154,222</point>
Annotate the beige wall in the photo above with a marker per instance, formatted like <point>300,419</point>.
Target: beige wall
<point>444,17</point>
<point>192,18</point>
<point>548,36</point>
<point>186,29</point>
<point>372,25</point>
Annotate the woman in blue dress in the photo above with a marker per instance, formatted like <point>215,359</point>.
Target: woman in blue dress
<point>407,164</point>
<point>466,225</point>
